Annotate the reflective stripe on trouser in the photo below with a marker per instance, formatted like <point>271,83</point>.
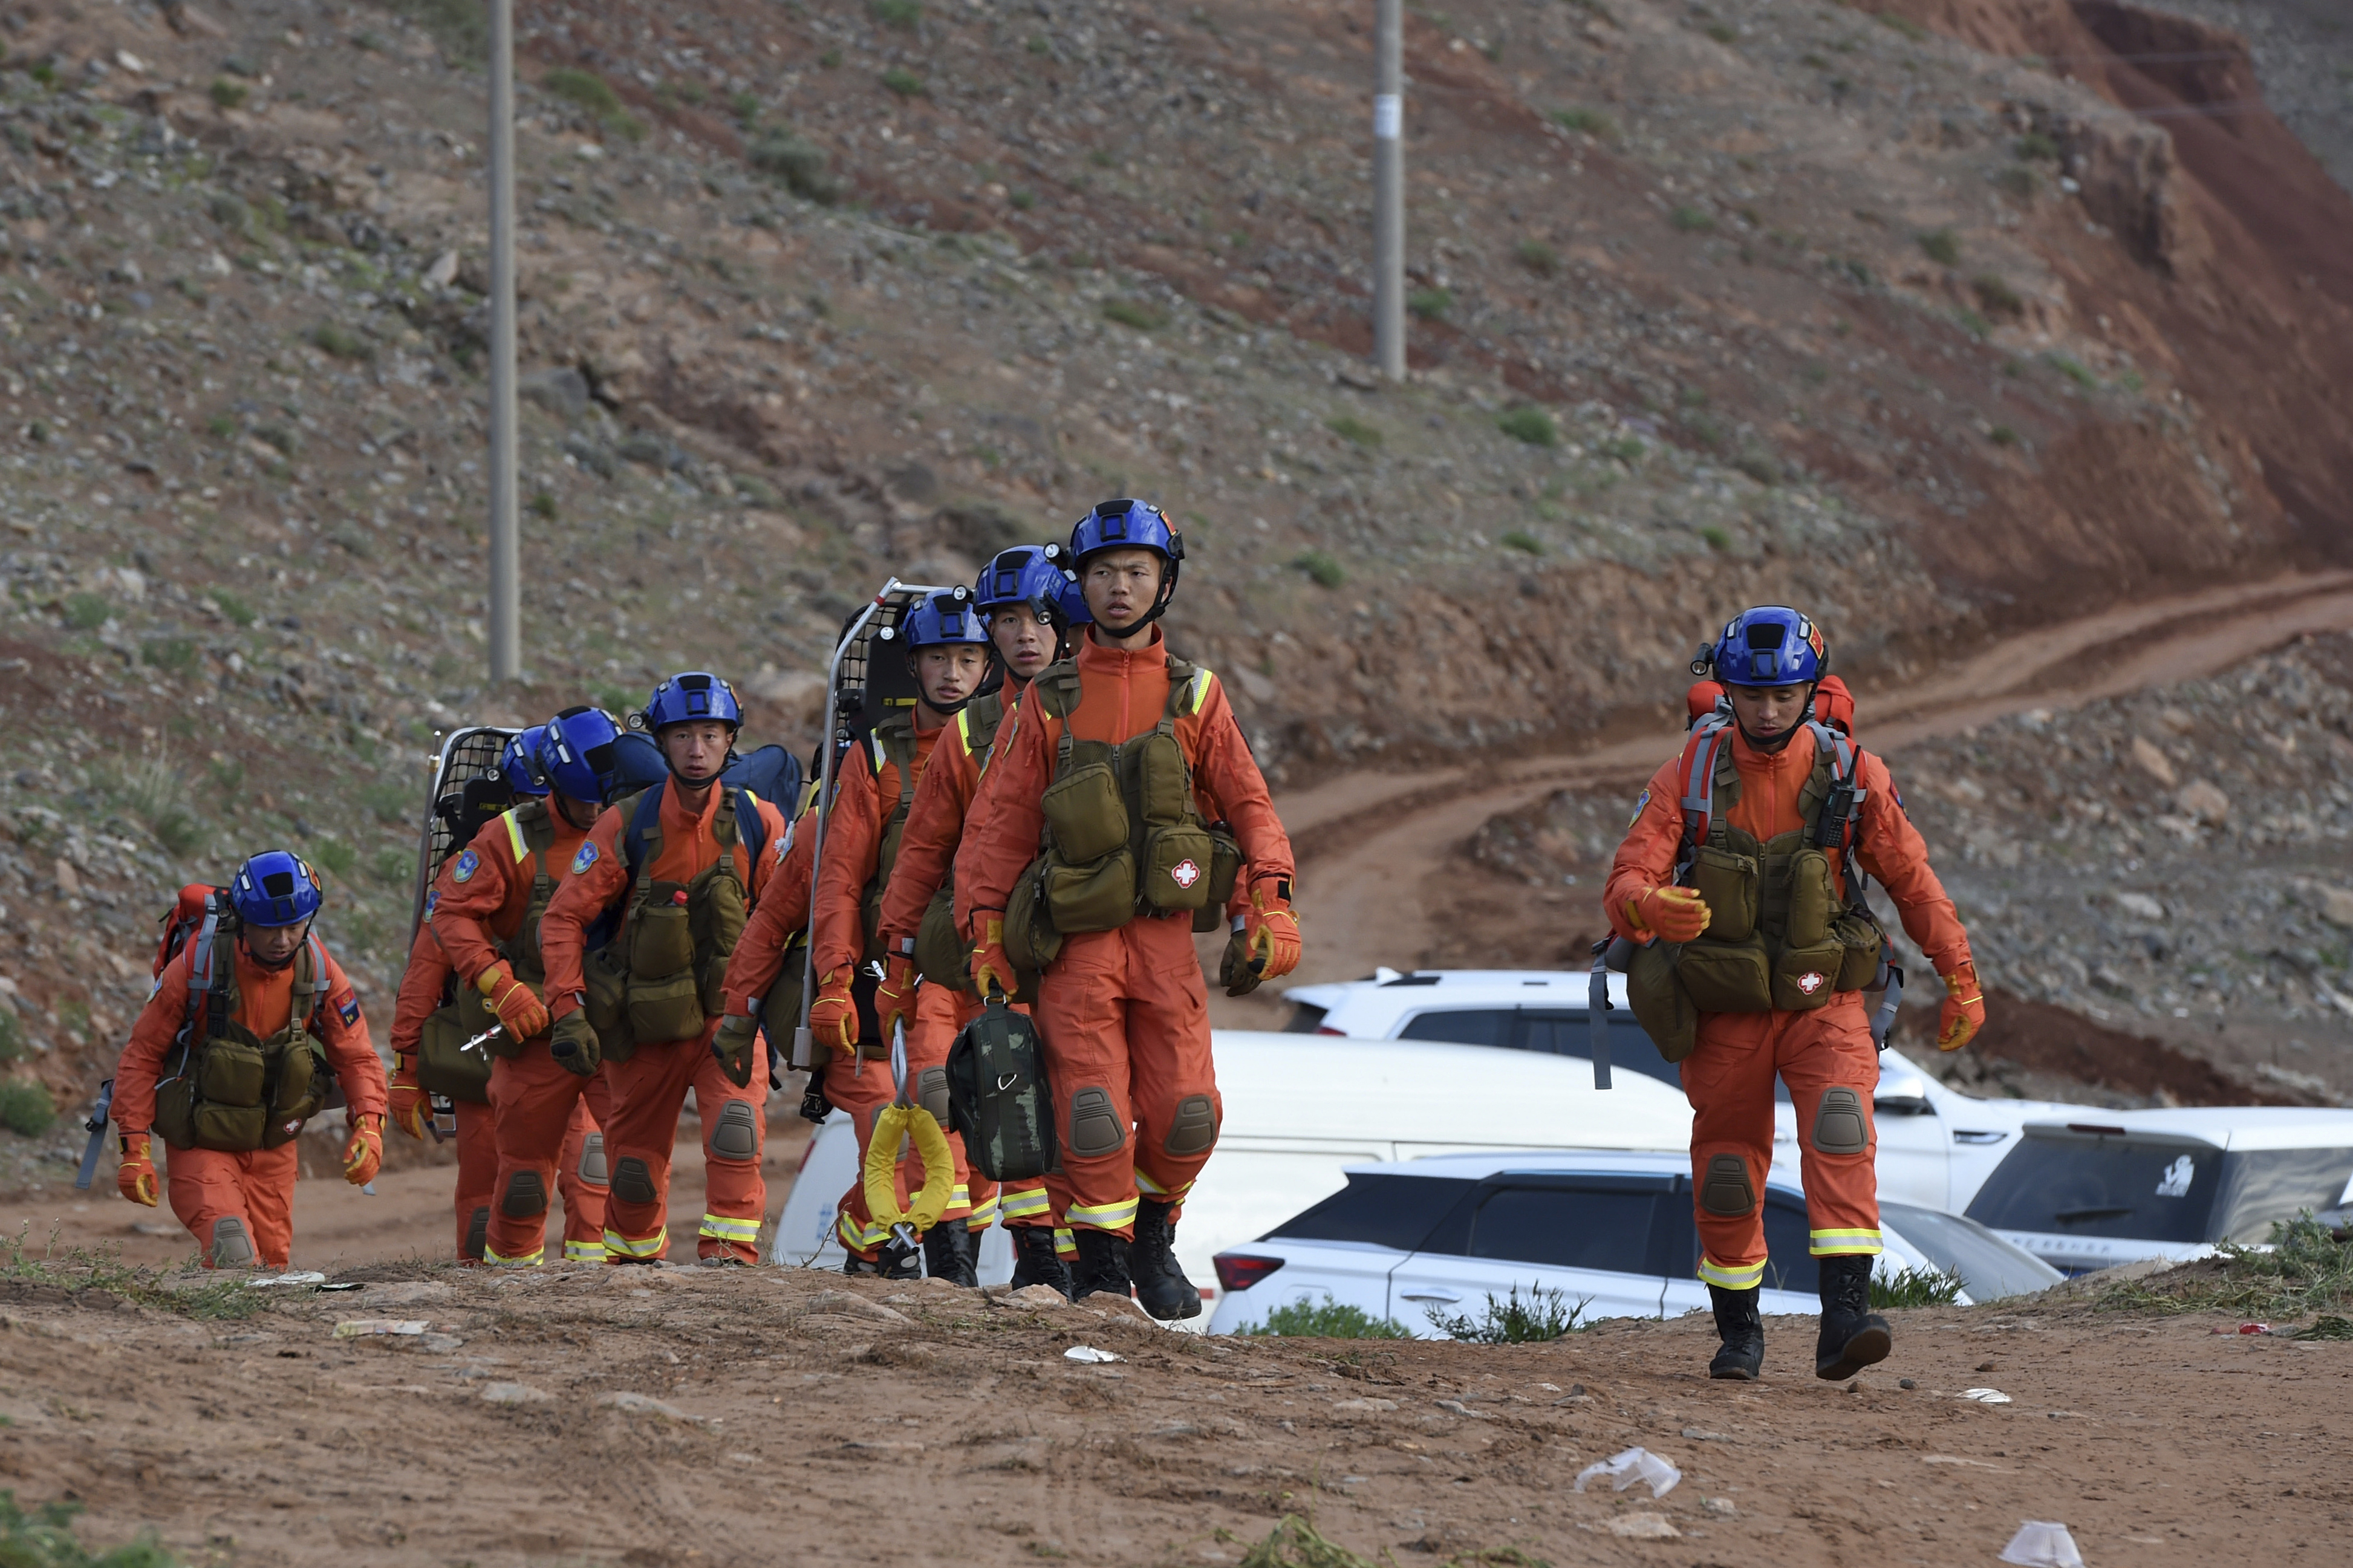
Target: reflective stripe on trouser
<point>863,1238</point>
<point>747,1231</point>
<point>543,1114</point>
<point>1125,1017</point>
<point>648,1092</point>
<point>1066,1242</point>
<point>1733,1276</point>
<point>1843,1243</point>
<point>584,1251</point>
<point>864,1089</point>
<point>1728,1078</point>
<point>1025,1205</point>
<point>528,1260</point>
<point>205,1186</point>
<point>478,1167</point>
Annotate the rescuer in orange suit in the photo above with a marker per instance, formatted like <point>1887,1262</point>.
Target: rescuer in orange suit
<point>1121,1007</point>
<point>864,831</point>
<point>232,989</point>
<point>489,909</point>
<point>1766,1002</point>
<point>1025,600</point>
<point>422,982</point>
<point>696,856</point>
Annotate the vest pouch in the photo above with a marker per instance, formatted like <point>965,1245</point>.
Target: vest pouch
<point>232,1070</point>
<point>1727,883</point>
<point>1725,976</point>
<point>231,1129</point>
<point>661,1011</point>
<point>780,1011</point>
<point>1225,871</point>
<point>715,914</point>
<point>1177,867</point>
<point>521,949</point>
<point>303,1081</point>
<point>1086,816</point>
<point>1864,943</point>
<point>1164,785</point>
<point>1805,978</point>
<point>474,1013</point>
<point>941,956</point>
<point>1031,940</point>
<point>442,1069</point>
<point>176,1112</point>
<point>1661,1005</point>
<point>1811,903</point>
<point>1097,896</point>
<point>661,936</point>
<point>606,1002</point>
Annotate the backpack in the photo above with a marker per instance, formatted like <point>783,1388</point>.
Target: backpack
<point>185,919</point>
<point>998,1097</point>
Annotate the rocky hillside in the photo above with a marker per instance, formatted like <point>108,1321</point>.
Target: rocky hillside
<point>1712,303</point>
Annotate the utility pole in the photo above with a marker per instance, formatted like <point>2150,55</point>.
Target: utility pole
<point>506,565</point>
<point>1388,188</point>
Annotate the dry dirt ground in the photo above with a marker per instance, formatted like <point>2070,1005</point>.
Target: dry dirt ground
<point>651,1417</point>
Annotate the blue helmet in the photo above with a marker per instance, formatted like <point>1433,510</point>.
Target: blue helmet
<point>519,764</point>
<point>1074,603</point>
<point>275,887</point>
<point>1771,645</point>
<point>576,753</point>
<point>1131,525</point>
<point>697,694</point>
<point>938,619</point>
<point>1025,574</point>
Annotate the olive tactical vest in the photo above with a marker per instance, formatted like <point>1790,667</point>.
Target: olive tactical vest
<point>665,975</point>
<point>226,1088</point>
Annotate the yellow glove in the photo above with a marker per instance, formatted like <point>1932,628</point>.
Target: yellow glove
<point>894,999</point>
<point>411,1106</point>
<point>364,1155</point>
<point>1963,1013</point>
<point>833,1016</point>
<point>518,1007</point>
<point>136,1179</point>
<point>990,966</point>
<point>1272,929</point>
<point>1672,914</point>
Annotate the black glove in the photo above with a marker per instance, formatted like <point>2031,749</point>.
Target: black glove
<point>574,1045</point>
<point>1241,969</point>
<point>732,1048</point>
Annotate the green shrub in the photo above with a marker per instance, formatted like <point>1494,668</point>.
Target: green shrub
<point>799,162</point>
<point>1915,1288</point>
<point>543,505</point>
<point>2074,372</point>
<point>1590,122</point>
<point>1941,246</point>
<point>395,868</point>
<point>1626,448</point>
<point>26,1109</point>
<point>747,107</point>
<point>1038,45</point>
<point>900,14</point>
<point>586,89</point>
<point>341,342</point>
<point>1759,466</point>
<point>1022,198</point>
<point>831,60</point>
<point>1530,424</point>
<point>229,94</point>
<point>177,655</point>
<point>1430,304</point>
<point>1998,298</point>
<point>1723,33</point>
<point>1348,427</point>
<point>1295,1542</point>
<point>239,612</point>
<point>1539,258</point>
<point>1520,540</point>
<point>337,857</point>
<point>390,802</point>
<point>903,82</point>
<point>1328,1320</point>
<point>2003,436</point>
<point>45,1538</point>
<point>1545,1315</point>
<point>12,1034</point>
<point>1130,313</point>
<point>222,425</point>
<point>1716,538</point>
<point>1320,568</point>
<point>1691,220</point>
<point>2037,147</point>
<point>87,612</point>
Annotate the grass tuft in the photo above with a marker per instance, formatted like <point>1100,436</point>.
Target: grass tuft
<point>1547,1314</point>
<point>1520,540</point>
<point>1589,121</point>
<point>45,1538</point>
<point>1539,258</point>
<point>903,82</point>
<point>1529,424</point>
<point>1691,220</point>
<point>2306,1266</point>
<point>1130,313</point>
<point>1322,568</point>
<point>1941,246</point>
<point>1328,1319</point>
<point>1348,427</point>
<point>1915,1288</point>
<point>1430,304</point>
<point>27,1109</point>
<point>1295,1542</point>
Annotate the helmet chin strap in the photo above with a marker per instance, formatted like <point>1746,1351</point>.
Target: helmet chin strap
<point>1159,605</point>
<point>1780,741</point>
<point>244,940</point>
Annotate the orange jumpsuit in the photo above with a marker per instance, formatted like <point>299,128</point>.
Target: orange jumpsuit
<point>1728,1077</point>
<point>544,1114</point>
<point>863,802</point>
<point>650,1088</point>
<point>1123,1014</point>
<point>208,1185</point>
<point>422,987</point>
<point>781,913</point>
<point>936,825</point>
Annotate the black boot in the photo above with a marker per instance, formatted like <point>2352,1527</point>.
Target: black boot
<point>894,1262</point>
<point>1742,1331</point>
<point>1854,1336</point>
<point>1161,1288</point>
<point>1103,1264</point>
<point>949,1254</point>
<point>1035,1261</point>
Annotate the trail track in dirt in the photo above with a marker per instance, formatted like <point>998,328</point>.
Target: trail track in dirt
<point>1367,837</point>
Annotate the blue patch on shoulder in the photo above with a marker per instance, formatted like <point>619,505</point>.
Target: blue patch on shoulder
<point>585,859</point>
<point>349,1008</point>
<point>432,898</point>
<point>468,864</point>
<point>1638,808</point>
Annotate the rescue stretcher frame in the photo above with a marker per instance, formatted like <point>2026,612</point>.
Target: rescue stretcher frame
<point>427,866</point>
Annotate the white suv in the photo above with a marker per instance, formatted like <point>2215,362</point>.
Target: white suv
<point>1935,1147</point>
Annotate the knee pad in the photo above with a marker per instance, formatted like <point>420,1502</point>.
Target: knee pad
<point>1095,1126</point>
<point>232,1246</point>
<point>1725,1189</point>
<point>526,1196</point>
<point>1840,1127</point>
<point>632,1182</point>
<point>592,1161</point>
<point>737,1135</point>
<point>1194,1129</point>
<point>932,1093</point>
<point>477,1234</point>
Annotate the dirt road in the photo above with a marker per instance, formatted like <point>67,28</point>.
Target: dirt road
<point>1367,839</point>
<point>677,1416</point>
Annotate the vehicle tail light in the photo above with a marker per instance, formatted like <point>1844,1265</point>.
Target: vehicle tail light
<point>1328,1029</point>
<point>1241,1270</point>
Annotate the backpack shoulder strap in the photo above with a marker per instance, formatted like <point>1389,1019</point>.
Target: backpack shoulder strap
<point>1709,742</point>
<point>895,742</point>
<point>211,974</point>
<point>977,723</point>
<point>310,997</point>
<point>529,828</point>
<point>750,824</point>
<point>641,838</point>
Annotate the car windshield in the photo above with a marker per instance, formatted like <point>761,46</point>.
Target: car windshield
<point>1988,1267</point>
<point>1385,1210</point>
<point>2144,1188</point>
